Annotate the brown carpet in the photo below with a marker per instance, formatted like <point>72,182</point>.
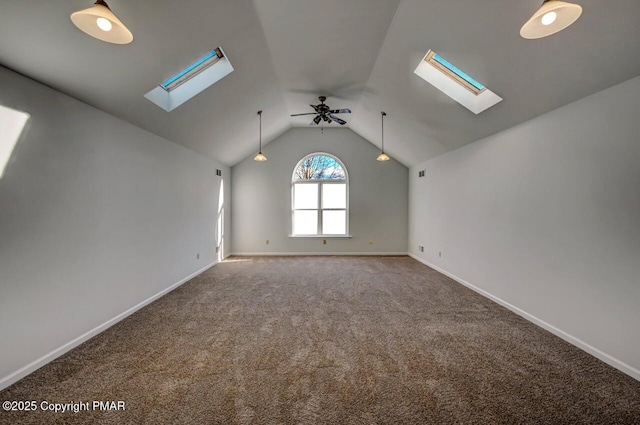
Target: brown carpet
<point>329,340</point>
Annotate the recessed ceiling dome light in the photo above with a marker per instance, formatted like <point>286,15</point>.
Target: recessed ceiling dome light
<point>553,16</point>
<point>100,22</point>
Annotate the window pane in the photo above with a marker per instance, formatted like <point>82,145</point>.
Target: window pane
<point>305,222</point>
<point>305,196</point>
<point>319,167</point>
<point>334,222</point>
<point>334,196</point>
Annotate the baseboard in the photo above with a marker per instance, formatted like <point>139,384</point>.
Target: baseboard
<point>37,364</point>
<point>610,360</point>
<point>302,254</point>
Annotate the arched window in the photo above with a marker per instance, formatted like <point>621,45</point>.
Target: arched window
<point>320,197</point>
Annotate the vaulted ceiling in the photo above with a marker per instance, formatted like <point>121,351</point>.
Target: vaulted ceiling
<point>359,53</point>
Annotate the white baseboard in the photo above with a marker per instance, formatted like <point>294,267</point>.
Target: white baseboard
<point>37,364</point>
<point>302,254</point>
<point>610,360</point>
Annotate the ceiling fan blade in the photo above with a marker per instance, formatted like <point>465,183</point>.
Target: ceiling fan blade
<point>310,113</point>
<point>315,107</point>
<point>316,120</point>
<point>340,111</point>
<point>338,120</point>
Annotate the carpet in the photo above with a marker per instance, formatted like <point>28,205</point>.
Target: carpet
<point>326,340</point>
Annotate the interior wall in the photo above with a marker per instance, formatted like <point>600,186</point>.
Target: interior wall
<point>96,216</point>
<point>545,218</point>
<point>261,198</point>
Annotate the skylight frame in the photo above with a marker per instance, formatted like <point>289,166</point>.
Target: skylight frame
<point>458,75</point>
<point>192,70</point>
<point>454,85</point>
<point>191,81</point>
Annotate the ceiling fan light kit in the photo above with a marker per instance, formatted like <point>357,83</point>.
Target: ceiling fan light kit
<point>552,17</point>
<point>99,22</point>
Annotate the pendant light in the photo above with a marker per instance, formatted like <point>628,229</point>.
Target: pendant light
<point>260,157</point>
<point>553,16</point>
<point>383,156</point>
<point>100,22</point>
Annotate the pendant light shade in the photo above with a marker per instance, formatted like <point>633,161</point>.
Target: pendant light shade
<point>553,16</point>
<point>100,22</point>
<point>383,156</point>
<point>260,157</point>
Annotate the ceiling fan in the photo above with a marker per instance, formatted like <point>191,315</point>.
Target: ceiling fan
<point>324,113</point>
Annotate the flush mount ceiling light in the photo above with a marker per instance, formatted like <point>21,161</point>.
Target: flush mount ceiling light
<point>100,22</point>
<point>553,16</point>
<point>383,156</point>
<point>260,157</point>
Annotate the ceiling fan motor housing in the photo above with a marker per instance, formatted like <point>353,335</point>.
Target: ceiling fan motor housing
<point>325,113</point>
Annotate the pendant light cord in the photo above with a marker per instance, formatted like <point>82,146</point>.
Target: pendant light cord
<point>383,114</point>
<point>260,115</point>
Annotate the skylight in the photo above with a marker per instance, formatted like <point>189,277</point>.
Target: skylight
<point>192,70</point>
<point>457,72</point>
<point>455,83</point>
<point>192,80</point>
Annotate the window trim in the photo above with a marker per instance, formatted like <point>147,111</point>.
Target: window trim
<point>320,209</point>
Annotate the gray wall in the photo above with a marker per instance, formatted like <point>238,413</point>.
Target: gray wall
<point>545,217</point>
<point>96,216</point>
<point>261,196</point>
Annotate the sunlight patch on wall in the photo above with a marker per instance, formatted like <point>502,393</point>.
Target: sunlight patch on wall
<point>12,123</point>
<point>220,224</point>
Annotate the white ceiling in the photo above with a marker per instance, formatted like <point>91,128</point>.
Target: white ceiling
<point>359,53</point>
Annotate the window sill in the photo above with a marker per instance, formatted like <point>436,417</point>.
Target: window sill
<point>322,236</point>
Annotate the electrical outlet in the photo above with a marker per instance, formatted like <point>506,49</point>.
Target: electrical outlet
<point>217,249</point>
<point>370,241</point>
<point>267,241</point>
<point>420,248</point>
<point>439,253</point>
<point>197,256</point>
<point>324,242</point>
